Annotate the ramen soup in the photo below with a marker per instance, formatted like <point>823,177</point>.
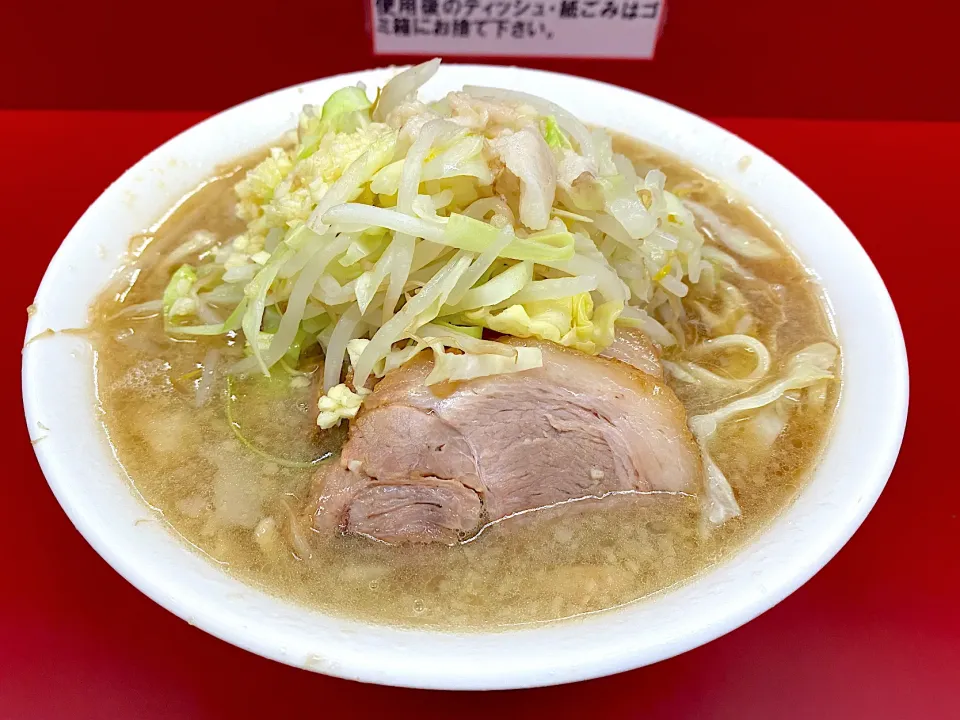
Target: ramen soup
<point>463,364</point>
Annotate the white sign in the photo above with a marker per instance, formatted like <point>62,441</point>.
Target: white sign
<point>517,28</point>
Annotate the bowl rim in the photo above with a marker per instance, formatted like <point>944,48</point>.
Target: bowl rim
<point>533,656</point>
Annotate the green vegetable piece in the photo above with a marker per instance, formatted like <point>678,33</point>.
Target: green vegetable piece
<point>300,342</point>
<point>467,233</point>
<point>315,324</point>
<point>343,102</point>
<point>271,320</point>
<point>471,330</point>
<point>228,325</point>
<point>176,297</point>
<point>554,135</point>
<point>344,111</point>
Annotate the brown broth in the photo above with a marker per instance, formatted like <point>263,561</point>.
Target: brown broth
<point>238,507</point>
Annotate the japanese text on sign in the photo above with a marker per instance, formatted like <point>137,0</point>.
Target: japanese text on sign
<point>548,28</point>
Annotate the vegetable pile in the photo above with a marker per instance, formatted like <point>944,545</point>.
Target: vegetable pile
<point>394,225</point>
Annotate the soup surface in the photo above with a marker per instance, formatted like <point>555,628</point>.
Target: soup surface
<point>232,476</point>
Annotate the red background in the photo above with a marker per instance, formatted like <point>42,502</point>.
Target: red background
<point>875,634</point>
<point>770,58</point>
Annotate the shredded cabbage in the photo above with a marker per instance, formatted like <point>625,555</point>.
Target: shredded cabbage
<point>570,321</point>
<point>495,290</point>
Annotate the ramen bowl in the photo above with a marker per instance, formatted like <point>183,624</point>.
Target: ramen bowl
<point>59,396</point>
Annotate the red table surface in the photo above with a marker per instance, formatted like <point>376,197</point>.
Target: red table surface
<point>875,634</point>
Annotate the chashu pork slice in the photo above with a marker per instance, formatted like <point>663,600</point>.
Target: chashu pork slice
<point>435,464</point>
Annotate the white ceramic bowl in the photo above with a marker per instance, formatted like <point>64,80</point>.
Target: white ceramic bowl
<point>58,393</point>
